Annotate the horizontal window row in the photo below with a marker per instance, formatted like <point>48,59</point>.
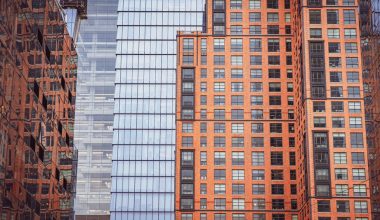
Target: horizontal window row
<point>239,87</point>
<point>255,45</point>
<point>339,140</point>
<point>331,2</point>
<point>253,4</point>
<point>332,16</point>
<point>322,158</point>
<point>257,174</point>
<point>334,33</point>
<point>343,206</point>
<point>253,30</point>
<point>220,73</point>
<point>338,122</point>
<point>253,17</point>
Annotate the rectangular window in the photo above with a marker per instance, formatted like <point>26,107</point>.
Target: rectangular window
<point>237,100</point>
<point>355,122</point>
<point>352,62</point>
<point>257,100</point>
<point>236,4</point>
<point>236,60</point>
<point>333,33</point>
<point>357,158</point>
<point>219,73</point>
<point>257,158</point>
<point>350,33</point>
<point>254,4</point>
<point>236,45</point>
<point>334,47</point>
<point>349,16</point>
<point>273,45</point>
<point>255,45</point>
<point>341,174</point>
<point>236,30</point>
<point>340,158</point>
<point>273,29</point>
<point>332,17</point>
<point>257,142</point>
<point>219,100</point>
<point>219,45</point>
<point>236,17</point>
<point>315,16</point>
<point>315,33</point>
<point>272,17</point>
<point>358,174</point>
<point>255,30</point>
<point>256,73</point>
<point>255,60</point>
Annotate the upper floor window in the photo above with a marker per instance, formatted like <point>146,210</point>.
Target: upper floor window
<point>236,4</point>
<point>272,4</point>
<point>315,16</point>
<point>349,16</point>
<point>254,4</point>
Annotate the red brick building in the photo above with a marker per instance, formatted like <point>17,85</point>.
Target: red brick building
<point>37,99</point>
<point>270,113</point>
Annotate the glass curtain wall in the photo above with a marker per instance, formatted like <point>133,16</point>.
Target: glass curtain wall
<point>96,48</point>
<point>143,163</point>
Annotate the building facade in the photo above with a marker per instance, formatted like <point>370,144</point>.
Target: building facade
<point>143,160</point>
<point>37,101</point>
<point>370,34</point>
<point>270,113</point>
<point>96,47</point>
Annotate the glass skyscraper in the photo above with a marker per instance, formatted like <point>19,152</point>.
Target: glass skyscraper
<point>96,48</point>
<point>143,162</point>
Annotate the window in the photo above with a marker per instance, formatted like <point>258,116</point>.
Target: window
<point>218,60</point>
<point>255,45</point>
<point>236,45</point>
<point>257,128</point>
<point>256,73</point>
<point>337,107</point>
<point>335,62</point>
<point>238,204</point>
<point>236,17</point>
<point>358,174</point>
<point>275,114</point>
<point>273,29</point>
<point>340,158</point>
<point>237,114</point>
<point>186,216</point>
<point>220,204</point>
<point>254,4</point>
<point>187,158</point>
<point>258,189</point>
<point>276,158</point>
<point>338,122</point>
<point>336,91</point>
<point>272,4</point>
<point>219,174</point>
<point>349,33</point>
<point>258,204</point>
<point>349,16</point>
<point>320,140</point>
<point>272,17</point>
<point>341,190</point>
<point>187,73</point>
<point>323,190</point>
<point>275,127</point>
<point>219,87</point>
<point>237,158</point>
<point>323,206</point>
<point>277,175</point>
<point>219,45</point>
<point>203,174</point>
<point>353,92</point>
<point>274,73</point>
<point>319,107</point>
<point>356,140</point>
<point>361,207</point>
<point>235,4</point>
<point>332,2</point>
<point>219,114</point>
<point>274,60</point>
<point>187,189</point>
<point>360,190</point>
<point>278,204</point>
<point>354,107</point>
<point>236,30</point>
<point>238,142</point>
<point>187,127</point>
<point>348,2</point>
<point>287,17</point>
<point>339,140</point>
<point>219,216</point>
<point>257,142</point>
<point>322,174</point>
<point>274,87</point>
<point>188,45</point>
<point>257,114</point>
<point>342,206</point>
<point>352,77</point>
<point>219,141</point>
<point>187,141</point>
<point>238,216</point>
<point>315,33</point>
<point>188,59</point>
<point>257,158</point>
<point>237,60</point>
<point>256,60</point>
<point>203,158</point>
<point>219,158</point>
<point>319,122</point>
<point>256,87</point>
<point>355,122</point>
<point>334,47</point>
<point>358,158</point>
<point>315,16</point>
<point>273,45</point>
<point>274,100</point>
<point>257,100</point>
<point>237,174</point>
<point>333,33</point>
<point>332,17</point>
<point>219,73</point>
<point>203,204</point>
<point>352,62</point>
<point>237,100</point>
<point>203,100</point>
<point>341,174</point>
<point>255,30</point>
<point>219,100</point>
<point>203,127</point>
<point>258,175</point>
<point>220,189</point>
<point>277,189</point>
